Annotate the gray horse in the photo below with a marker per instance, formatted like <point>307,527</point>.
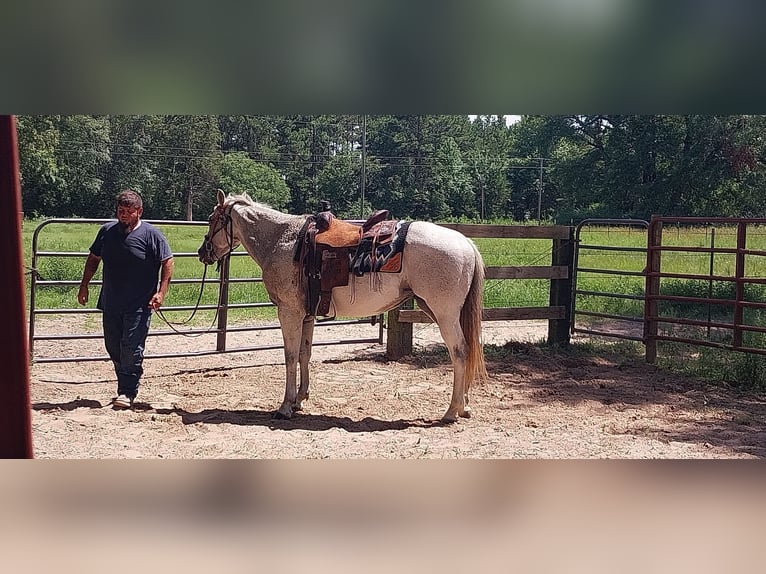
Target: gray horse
<point>441,268</point>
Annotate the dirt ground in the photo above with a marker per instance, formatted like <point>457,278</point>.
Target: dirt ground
<point>538,404</point>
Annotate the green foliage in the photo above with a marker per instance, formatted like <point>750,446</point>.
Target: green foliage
<point>434,167</point>
<point>240,174</point>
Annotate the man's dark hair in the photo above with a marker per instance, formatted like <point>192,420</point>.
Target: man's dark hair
<point>129,198</point>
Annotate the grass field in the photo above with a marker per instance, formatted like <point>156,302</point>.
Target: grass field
<point>75,239</point>
<point>185,240</point>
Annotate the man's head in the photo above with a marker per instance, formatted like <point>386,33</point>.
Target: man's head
<point>130,207</point>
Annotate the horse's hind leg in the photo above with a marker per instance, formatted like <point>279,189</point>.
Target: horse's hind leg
<point>307,338</point>
<point>458,351</point>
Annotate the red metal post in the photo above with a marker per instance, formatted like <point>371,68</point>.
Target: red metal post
<point>15,414</point>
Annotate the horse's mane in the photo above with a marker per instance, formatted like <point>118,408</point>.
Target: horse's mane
<point>244,199</point>
<point>249,204</point>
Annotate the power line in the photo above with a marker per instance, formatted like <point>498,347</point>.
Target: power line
<point>406,161</point>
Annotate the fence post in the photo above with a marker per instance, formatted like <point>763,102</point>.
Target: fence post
<point>399,341</point>
<point>739,286</point>
<point>223,305</point>
<point>15,411</point>
<point>653,264</point>
<point>561,290</point>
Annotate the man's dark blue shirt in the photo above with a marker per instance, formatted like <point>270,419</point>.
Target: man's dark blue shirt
<point>131,264</point>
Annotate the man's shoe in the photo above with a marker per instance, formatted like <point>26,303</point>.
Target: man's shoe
<point>122,402</point>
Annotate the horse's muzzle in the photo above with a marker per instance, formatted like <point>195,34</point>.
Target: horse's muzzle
<point>205,252</point>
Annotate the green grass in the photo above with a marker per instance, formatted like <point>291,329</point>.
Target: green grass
<point>184,239</point>
<point>739,369</point>
<point>75,237</point>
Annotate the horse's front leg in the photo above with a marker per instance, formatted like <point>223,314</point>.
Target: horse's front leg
<point>292,327</point>
<point>307,338</point>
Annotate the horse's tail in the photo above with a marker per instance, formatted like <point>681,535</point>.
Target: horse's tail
<point>470,322</point>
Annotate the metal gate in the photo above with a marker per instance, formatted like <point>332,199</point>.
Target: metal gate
<point>221,329</point>
<point>590,263</point>
<point>726,286</point>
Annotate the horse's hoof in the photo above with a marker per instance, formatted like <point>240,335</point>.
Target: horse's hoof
<point>449,419</point>
<point>279,415</point>
<point>466,414</point>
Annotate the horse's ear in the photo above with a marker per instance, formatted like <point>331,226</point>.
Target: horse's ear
<point>221,197</point>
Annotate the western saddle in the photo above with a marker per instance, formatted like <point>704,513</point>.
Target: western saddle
<point>327,246</point>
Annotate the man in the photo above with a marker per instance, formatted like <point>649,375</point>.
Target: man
<point>133,252</point>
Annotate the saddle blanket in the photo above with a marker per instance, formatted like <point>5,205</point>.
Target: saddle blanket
<point>386,258</point>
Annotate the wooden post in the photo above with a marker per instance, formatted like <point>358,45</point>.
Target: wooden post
<point>399,342</point>
<point>561,290</point>
<point>653,265</point>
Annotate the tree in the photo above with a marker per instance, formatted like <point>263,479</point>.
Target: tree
<point>240,174</point>
<point>487,157</point>
<point>38,139</point>
<point>188,153</point>
<point>134,159</point>
<point>63,161</point>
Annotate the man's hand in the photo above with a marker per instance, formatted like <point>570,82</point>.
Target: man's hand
<point>156,301</point>
<point>91,266</point>
<point>82,294</point>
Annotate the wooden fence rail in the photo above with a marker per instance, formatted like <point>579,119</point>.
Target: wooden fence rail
<point>559,272</point>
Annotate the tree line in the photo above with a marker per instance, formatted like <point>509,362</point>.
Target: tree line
<point>434,167</point>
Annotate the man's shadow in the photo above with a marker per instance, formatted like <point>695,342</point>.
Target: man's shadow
<point>85,404</point>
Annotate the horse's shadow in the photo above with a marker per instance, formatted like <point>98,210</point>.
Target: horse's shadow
<point>299,421</point>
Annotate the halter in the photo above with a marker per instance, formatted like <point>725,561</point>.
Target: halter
<point>227,224</point>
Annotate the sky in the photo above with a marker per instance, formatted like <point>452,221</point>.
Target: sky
<point>509,119</point>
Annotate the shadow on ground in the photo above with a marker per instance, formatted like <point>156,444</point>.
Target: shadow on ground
<point>694,412</point>
<point>299,421</point>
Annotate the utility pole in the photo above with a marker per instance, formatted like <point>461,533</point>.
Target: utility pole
<point>540,192</point>
<point>190,202</point>
<point>364,162</point>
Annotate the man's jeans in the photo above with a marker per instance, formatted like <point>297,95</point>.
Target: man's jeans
<point>124,337</point>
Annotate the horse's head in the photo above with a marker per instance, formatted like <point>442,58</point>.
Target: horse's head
<point>219,240</point>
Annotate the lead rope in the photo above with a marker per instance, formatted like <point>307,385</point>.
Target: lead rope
<point>172,324</point>
<point>208,246</point>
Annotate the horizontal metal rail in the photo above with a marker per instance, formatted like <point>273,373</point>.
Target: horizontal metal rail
<point>729,278</point>
<point>611,272</point>
<point>711,324</point>
<point>607,294</point>
<point>706,343</point>
<point>614,334</point>
<point>219,331</point>
<point>209,352</point>
<point>612,316</point>
<point>708,300</point>
<point>613,248</point>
